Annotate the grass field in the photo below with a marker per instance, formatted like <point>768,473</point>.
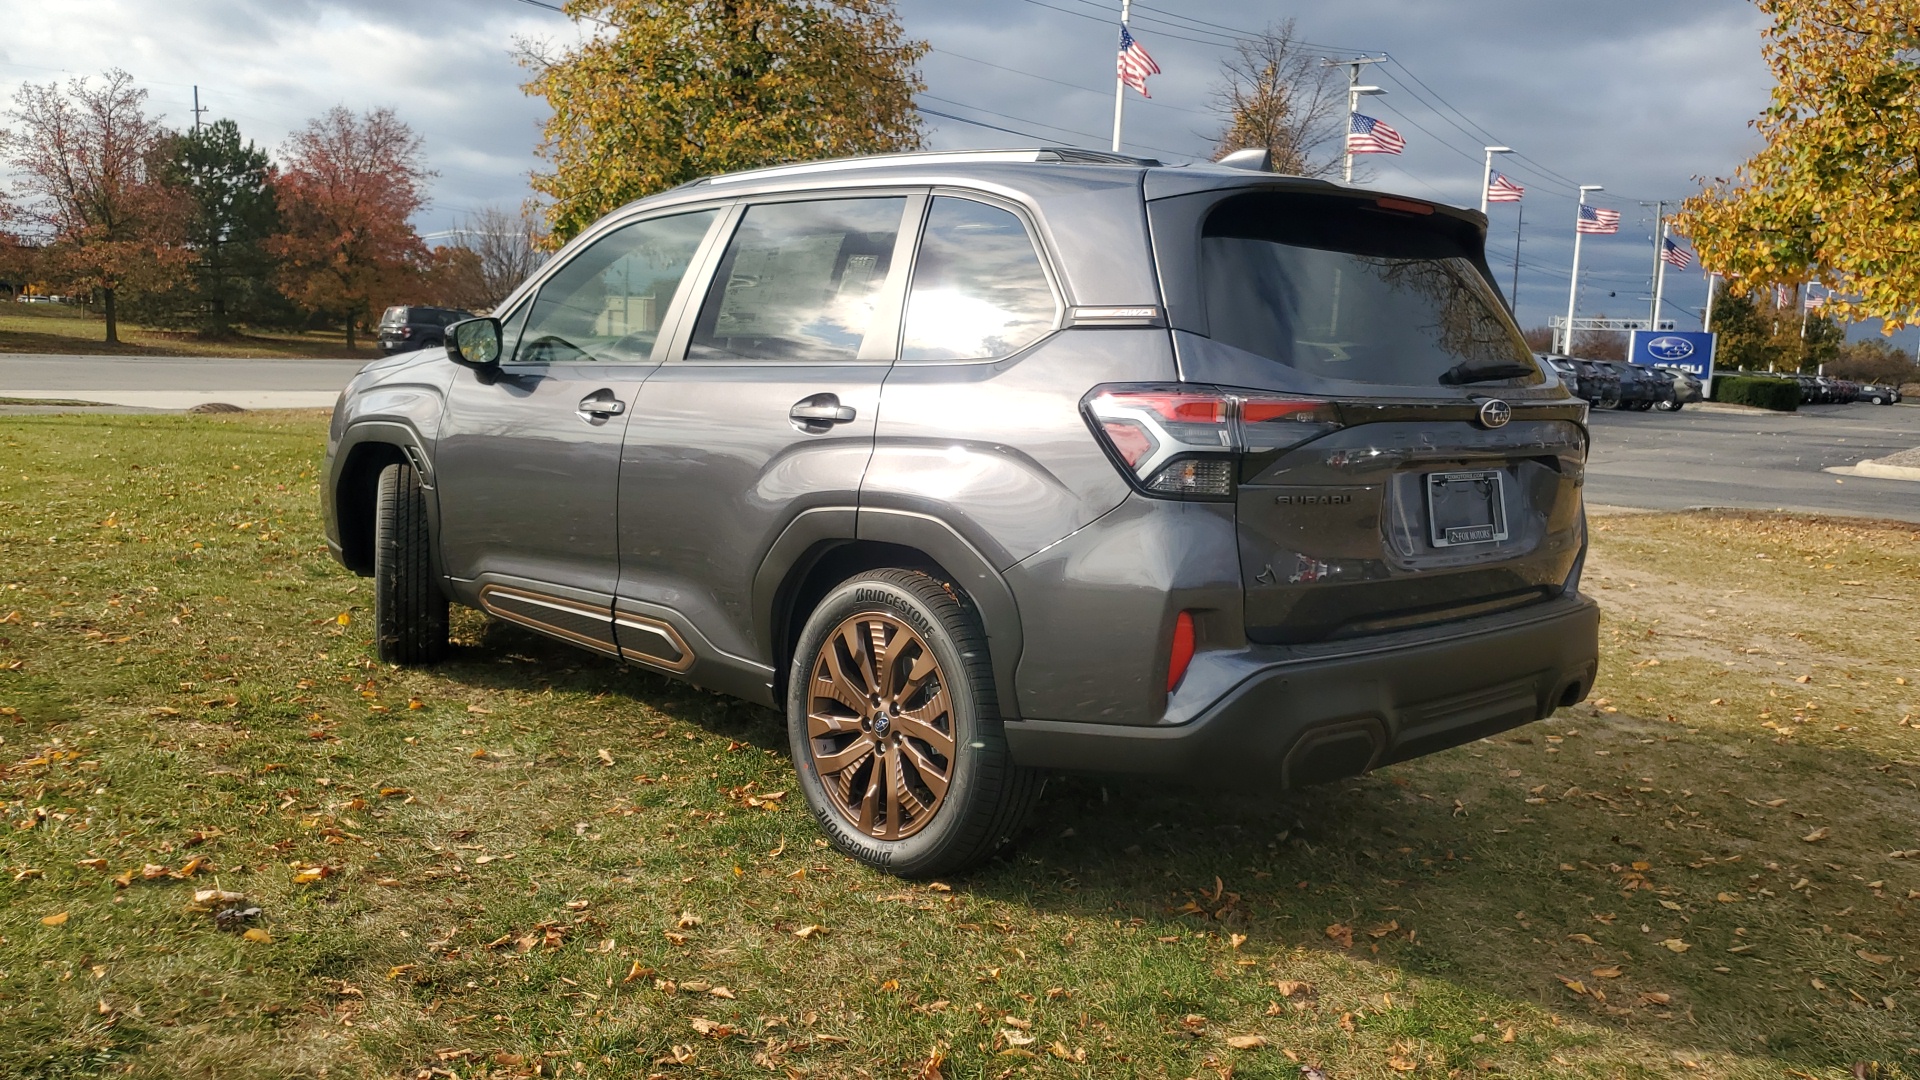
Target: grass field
<point>532,862</point>
<point>57,328</point>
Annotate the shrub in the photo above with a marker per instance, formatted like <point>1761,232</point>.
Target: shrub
<point>1780,395</point>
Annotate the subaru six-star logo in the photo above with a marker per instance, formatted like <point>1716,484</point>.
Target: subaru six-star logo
<point>1495,413</point>
<point>1670,348</point>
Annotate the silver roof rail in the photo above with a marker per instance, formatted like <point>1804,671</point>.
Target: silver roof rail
<point>1063,154</point>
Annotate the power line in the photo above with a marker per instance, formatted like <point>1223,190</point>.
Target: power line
<point>1062,82</point>
<point>1044,124</point>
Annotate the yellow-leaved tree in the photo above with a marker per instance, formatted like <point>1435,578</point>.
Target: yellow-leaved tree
<point>667,91</point>
<point>1834,196</point>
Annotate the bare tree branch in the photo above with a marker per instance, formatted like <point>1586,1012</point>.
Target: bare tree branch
<point>1277,96</point>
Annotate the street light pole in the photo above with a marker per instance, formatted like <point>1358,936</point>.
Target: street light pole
<point>1659,221</point>
<point>1573,286</point>
<point>1486,175</point>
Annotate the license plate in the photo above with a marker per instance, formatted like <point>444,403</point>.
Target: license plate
<point>1466,507</point>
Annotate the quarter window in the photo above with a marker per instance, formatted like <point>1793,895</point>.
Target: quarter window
<point>607,302</point>
<point>799,281</point>
<point>978,288</point>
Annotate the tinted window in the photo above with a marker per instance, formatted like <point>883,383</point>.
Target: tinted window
<point>393,316</point>
<point>978,289</point>
<point>1339,289</point>
<point>799,281</point>
<point>607,302</point>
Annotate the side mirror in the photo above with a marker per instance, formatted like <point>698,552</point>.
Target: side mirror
<point>475,342</point>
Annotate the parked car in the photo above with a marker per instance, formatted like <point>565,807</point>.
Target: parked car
<point>405,328</point>
<point>1686,390</point>
<point>984,464</point>
<point>1594,383</point>
<point>1639,387</point>
<point>1881,393</point>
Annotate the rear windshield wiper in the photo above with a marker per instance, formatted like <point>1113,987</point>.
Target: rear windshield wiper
<point>1470,372</point>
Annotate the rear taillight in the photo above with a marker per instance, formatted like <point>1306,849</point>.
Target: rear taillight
<point>1182,441</point>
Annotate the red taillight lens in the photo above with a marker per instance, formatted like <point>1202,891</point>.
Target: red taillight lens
<point>1182,653</point>
<point>1180,440</point>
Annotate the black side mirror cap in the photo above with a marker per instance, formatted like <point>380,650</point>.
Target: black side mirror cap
<point>475,342</point>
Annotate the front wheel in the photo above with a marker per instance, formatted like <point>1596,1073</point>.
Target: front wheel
<point>409,610</point>
<point>895,731</point>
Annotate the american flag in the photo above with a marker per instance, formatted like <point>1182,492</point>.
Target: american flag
<point>1135,64</point>
<point>1365,135</point>
<point>1781,296</point>
<point>1501,189</point>
<point>1597,221</point>
<point>1675,256</point>
<point>1815,303</point>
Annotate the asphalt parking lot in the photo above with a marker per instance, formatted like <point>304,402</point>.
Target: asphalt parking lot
<point>1753,460</point>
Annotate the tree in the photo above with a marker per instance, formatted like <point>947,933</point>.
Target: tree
<point>1833,196</point>
<point>1874,360</point>
<point>667,91</point>
<point>348,188</point>
<point>227,187</point>
<point>1278,96</point>
<point>506,249</point>
<point>86,159</point>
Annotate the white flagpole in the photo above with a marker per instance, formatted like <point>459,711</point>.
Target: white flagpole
<point>1660,277</point>
<point>1706,317</point>
<point>1119,83</point>
<point>1573,286</point>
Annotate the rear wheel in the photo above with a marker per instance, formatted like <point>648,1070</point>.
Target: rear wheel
<point>409,610</point>
<point>894,729</point>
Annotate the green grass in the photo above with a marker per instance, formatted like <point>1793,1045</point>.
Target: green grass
<point>178,683</point>
<point>60,329</point>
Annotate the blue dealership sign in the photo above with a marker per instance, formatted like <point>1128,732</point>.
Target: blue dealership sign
<point>1684,350</point>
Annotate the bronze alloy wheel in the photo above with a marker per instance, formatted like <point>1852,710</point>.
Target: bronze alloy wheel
<point>880,726</point>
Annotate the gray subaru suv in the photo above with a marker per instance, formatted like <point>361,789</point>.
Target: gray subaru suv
<point>984,465</point>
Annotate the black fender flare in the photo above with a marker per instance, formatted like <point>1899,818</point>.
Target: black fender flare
<point>819,527</point>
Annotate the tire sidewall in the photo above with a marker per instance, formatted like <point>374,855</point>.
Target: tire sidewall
<point>926,847</point>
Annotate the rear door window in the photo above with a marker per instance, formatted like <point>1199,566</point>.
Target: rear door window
<point>800,281</point>
<point>978,287</point>
<point>1339,289</point>
<point>607,302</point>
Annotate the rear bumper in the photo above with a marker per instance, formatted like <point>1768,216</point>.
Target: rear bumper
<point>1295,720</point>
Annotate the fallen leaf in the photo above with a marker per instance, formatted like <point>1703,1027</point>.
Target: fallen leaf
<point>1582,939</point>
<point>1613,971</point>
<point>606,757</point>
<point>1674,944</point>
<point>1874,958</point>
<point>1726,898</point>
<point>343,619</point>
<point>1246,1042</point>
<point>92,864</point>
<point>259,936</point>
<point>1400,1064</point>
<point>1015,1037</point>
<point>1378,932</point>
<point>810,931</point>
<point>1574,985</point>
<point>1816,835</point>
<point>722,992</point>
<point>1655,997</point>
<point>711,1029</point>
<point>1670,905</point>
<point>54,920</point>
<point>688,920</point>
<point>1292,987</point>
<point>1077,1055</point>
<point>1341,934</point>
<point>217,896</point>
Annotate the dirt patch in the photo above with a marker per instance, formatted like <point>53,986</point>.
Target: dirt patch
<point>1908,459</point>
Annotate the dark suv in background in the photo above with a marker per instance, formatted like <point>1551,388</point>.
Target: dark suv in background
<point>983,464</point>
<point>405,328</point>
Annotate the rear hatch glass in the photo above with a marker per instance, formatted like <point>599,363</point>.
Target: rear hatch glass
<point>1343,289</point>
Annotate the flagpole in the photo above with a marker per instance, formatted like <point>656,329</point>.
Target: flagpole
<point>1486,174</point>
<point>1659,222</point>
<point>1660,276</point>
<point>1706,317</point>
<point>1513,307</point>
<point>1573,286</point>
<point>1119,81</point>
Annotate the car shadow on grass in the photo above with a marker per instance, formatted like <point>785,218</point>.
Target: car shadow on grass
<point>1507,868</point>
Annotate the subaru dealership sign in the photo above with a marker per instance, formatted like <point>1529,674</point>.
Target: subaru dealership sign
<point>1687,351</point>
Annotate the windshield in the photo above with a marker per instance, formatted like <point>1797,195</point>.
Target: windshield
<point>1340,289</point>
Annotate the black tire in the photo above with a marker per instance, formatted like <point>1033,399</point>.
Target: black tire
<point>987,798</point>
<point>409,610</point>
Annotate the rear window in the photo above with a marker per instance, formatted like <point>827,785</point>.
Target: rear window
<point>394,316</point>
<point>1340,289</point>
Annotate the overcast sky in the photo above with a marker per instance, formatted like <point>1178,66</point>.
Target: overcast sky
<point>1638,95</point>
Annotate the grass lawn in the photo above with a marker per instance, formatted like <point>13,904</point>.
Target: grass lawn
<point>533,862</point>
<point>57,328</point>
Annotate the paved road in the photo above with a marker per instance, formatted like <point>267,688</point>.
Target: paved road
<point>176,382</point>
<point>1761,461</point>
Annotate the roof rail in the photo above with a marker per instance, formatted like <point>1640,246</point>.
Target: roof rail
<point>1066,155</point>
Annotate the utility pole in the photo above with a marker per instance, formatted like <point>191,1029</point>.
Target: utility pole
<point>1660,276</point>
<point>1659,221</point>
<point>1573,286</point>
<point>1519,226</point>
<point>1486,174</point>
<point>197,110</point>
<point>1119,81</point>
<point>1354,92</point>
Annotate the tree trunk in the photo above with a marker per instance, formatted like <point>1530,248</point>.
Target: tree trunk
<point>349,333</point>
<point>113,319</point>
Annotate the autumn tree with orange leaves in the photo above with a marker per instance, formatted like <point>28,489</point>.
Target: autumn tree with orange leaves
<point>348,188</point>
<point>1834,195</point>
<point>667,91</point>
<point>86,159</point>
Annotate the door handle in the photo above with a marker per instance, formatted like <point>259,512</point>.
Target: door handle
<point>818,413</point>
<point>602,403</point>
